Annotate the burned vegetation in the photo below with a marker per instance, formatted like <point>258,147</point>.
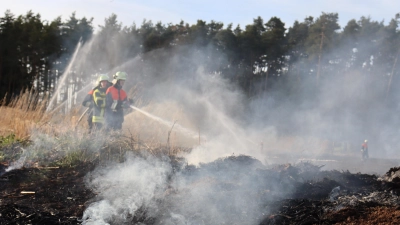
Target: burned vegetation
<point>231,190</point>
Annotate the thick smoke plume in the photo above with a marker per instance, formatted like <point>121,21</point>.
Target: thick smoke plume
<point>173,86</point>
<point>126,190</point>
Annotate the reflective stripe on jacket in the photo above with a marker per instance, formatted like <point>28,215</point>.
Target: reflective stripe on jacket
<point>99,98</point>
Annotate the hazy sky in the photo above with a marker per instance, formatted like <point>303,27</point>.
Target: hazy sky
<point>232,11</point>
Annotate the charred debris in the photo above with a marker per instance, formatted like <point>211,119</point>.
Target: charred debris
<point>283,194</point>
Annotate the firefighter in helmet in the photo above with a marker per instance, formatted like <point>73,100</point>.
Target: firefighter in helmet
<point>364,150</point>
<point>88,101</point>
<point>99,100</point>
<point>116,100</point>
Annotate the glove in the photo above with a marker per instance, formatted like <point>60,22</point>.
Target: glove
<point>130,101</point>
<point>88,104</point>
<point>125,104</point>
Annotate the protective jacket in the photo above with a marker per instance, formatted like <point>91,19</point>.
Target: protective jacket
<point>364,146</point>
<point>116,98</point>
<point>99,99</point>
<point>88,101</point>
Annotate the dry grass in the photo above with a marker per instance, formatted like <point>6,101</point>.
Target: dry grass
<point>57,138</point>
<point>24,111</point>
<point>27,112</point>
<point>26,115</point>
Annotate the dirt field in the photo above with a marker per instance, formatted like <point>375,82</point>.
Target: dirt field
<point>352,163</point>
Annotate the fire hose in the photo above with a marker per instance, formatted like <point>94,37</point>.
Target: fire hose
<point>80,118</point>
<point>86,110</point>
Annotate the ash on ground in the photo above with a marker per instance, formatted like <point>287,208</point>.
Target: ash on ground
<point>230,190</point>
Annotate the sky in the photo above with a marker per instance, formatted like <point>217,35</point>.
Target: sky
<point>233,11</point>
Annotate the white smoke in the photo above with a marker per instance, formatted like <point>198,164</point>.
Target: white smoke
<point>223,191</point>
<point>125,189</point>
<point>228,123</point>
<point>50,147</point>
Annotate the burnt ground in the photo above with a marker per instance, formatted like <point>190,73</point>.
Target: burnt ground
<point>58,195</point>
<point>52,195</point>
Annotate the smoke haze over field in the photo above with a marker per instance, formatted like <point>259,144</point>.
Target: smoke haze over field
<point>293,118</point>
<point>347,108</point>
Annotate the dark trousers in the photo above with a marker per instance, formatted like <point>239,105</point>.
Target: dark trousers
<point>114,120</point>
<point>89,120</point>
<point>97,126</point>
<point>364,154</point>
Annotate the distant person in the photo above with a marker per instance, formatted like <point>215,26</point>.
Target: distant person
<point>99,100</point>
<point>364,150</point>
<point>89,102</point>
<point>116,100</point>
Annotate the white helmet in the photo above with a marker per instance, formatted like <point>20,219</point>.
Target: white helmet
<point>103,77</point>
<point>120,76</point>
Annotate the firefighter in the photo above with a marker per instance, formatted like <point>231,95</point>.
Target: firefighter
<point>99,102</point>
<point>88,102</point>
<point>116,100</point>
<point>364,150</point>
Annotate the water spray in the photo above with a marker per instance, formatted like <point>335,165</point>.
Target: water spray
<point>224,121</point>
<point>88,85</point>
<point>64,75</point>
<point>167,123</point>
<point>65,101</point>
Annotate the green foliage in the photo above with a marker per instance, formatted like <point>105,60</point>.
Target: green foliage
<point>31,48</point>
<point>6,152</point>
<point>34,50</point>
<point>8,140</point>
<point>322,34</point>
<point>74,158</point>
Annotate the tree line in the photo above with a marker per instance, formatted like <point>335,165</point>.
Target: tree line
<point>259,57</point>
